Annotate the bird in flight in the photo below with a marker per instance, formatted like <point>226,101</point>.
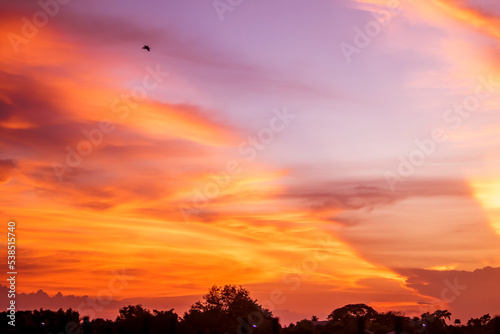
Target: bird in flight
<point>146,47</point>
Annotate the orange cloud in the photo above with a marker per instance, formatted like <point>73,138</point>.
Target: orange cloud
<point>463,12</point>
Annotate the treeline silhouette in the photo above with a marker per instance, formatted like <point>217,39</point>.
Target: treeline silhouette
<point>231,310</point>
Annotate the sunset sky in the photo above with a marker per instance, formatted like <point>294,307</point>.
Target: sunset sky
<point>319,153</point>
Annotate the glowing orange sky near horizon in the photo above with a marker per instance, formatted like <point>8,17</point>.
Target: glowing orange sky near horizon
<point>122,206</point>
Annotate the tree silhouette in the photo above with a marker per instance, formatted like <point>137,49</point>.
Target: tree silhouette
<point>478,322</point>
<point>485,319</point>
<point>352,311</point>
<point>137,319</point>
<point>302,327</point>
<point>349,318</point>
<point>231,310</point>
<point>133,312</point>
<point>435,322</point>
<point>227,309</point>
<point>385,322</point>
<point>133,319</point>
<point>442,315</point>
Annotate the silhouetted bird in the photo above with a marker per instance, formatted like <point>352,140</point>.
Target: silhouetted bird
<point>146,47</point>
